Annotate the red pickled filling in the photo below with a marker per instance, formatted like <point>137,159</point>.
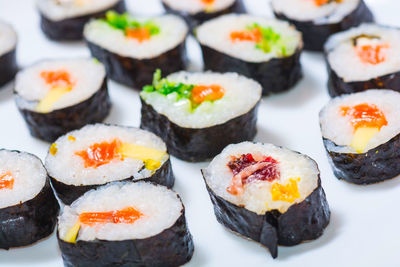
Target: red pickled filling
<point>100,153</point>
<point>57,78</point>
<point>201,93</point>
<point>253,35</point>
<point>372,54</point>
<point>127,216</point>
<point>140,34</point>
<point>6,181</point>
<point>365,115</point>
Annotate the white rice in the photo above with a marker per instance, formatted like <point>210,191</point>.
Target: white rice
<point>338,128</point>
<point>307,10</point>
<point>87,74</point>
<point>8,38</point>
<point>69,168</point>
<point>173,31</point>
<point>196,6</point>
<point>216,33</point>
<point>161,208</point>
<point>29,177</point>
<point>57,10</point>
<point>256,194</point>
<point>241,95</point>
<point>343,58</point>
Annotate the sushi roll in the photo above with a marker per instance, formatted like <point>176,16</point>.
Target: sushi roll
<point>64,20</point>
<point>28,207</point>
<point>132,48</point>
<point>318,19</point>
<point>8,61</point>
<point>361,133</point>
<point>365,57</point>
<point>198,114</point>
<point>268,194</point>
<point>99,154</point>
<point>265,50</point>
<point>196,12</point>
<point>125,224</point>
<point>58,96</point>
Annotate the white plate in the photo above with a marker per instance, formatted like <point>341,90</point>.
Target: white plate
<point>364,228</point>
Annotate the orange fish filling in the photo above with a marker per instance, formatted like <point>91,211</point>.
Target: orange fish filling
<point>128,215</point>
<point>6,181</point>
<point>365,115</point>
<point>100,153</point>
<point>140,34</point>
<point>372,54</point>
<point>253,35</point>
<point>201,93</point>
<point>57,78</point>
<point>208,2</point>
<point>324,2</point>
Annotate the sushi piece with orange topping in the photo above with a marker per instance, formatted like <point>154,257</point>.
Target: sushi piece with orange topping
<point>362,58</point>
<point>269,194</point>
<point>99,154</point>
<point>28,207</point>
<point>361,135</point>
<point>58,96</point>
<point>8,61</point>
<point>64,20</point>
<point>198,114</point>
<point>125,224</point>
<point>318,19</point>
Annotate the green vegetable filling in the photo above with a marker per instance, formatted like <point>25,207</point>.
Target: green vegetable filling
<point>271,40</point>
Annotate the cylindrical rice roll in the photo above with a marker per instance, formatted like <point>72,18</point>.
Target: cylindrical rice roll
<point>318,19</point>
<point>196,12</point>
<point>132,48</point>
<point>99,154</point>
<point>125,224</point>
<point>269,194</point>
<point>361,133</point>
<point>198,114</point>
<point>64,20</point>
<point>265,50</point>
<point>8,61</point>
<point>28,207</point>
<point>58,96</point>
<point>361,58</point>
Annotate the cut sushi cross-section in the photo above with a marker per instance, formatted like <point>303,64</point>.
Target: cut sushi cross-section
<point>129,224</point>
<point>8,43</point>
<point>196,7</point>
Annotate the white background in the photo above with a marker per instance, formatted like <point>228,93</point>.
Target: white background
<point>365,223</point>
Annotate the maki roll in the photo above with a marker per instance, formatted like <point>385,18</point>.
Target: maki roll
<point>361,133</point>
<point>198,114</point>
<point>196,12</point>
<point>99,154</point>
<point>133,48</point>
<point>318,19</point>
<point>8,61</point>
<point>58,96</point>
<point>365,57</point>
<point>265,50</point>
<point>64,20</point>
<point>125,224</point>
<point>28,207</point>
<point>269,194</point>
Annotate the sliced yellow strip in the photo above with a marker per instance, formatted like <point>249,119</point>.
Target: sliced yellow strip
<point>361,138</point>
<point>71,235</point>
<point>53,149</point>
<point>46,104</point>
<point>151,157</point>
<point>288,192</point>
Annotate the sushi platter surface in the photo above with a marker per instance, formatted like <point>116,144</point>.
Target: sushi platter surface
<point>363,228</point>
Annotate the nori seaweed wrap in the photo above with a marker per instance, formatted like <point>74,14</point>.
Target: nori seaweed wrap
<point>65,20</point>
<point>8,60</point>
<point>198,114</point>
<point>58,96</point>
<point>196,12</point>
<point>265,50</point>
<point>28,207</point>
<point>98,154</point>
<point>362,58</point>
<point>361,136</point>
<point>133,48</point>
<point>254,197</point>
<point>150,231</point>
<point>318,21</point>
